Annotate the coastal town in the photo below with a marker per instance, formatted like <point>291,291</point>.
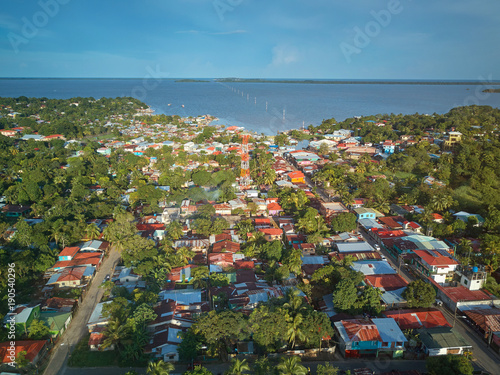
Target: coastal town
<point>178,243</point>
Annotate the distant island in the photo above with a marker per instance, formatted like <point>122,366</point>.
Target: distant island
<point>337,82</point>
<point>191,80</point>
<point>492,90</point>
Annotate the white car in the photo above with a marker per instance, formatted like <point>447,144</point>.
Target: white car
<point>377,247</point>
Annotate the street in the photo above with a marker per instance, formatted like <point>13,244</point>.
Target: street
<point>377,365</point>
<point>485,357</point>
<point>78,327</point>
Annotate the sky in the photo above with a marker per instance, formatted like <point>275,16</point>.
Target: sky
<point>318,39</point>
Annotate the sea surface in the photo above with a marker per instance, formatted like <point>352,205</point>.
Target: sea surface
<point>263,107</point>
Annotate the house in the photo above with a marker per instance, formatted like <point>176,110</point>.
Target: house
<point>466,217</point>
<point>389,147</point>
<point>71,276</point>
<point>226,247</point>
<point>274,208</point>
<point>370,337</point>
<point>373,267</point>
<point>485,320</point>
<point>272,234</point>
<point>15,210</point>
<point>96,340</point>
<point>261,206</point>
<point>443,341</point>
<point>354,247</point>
<point>96,318</point>
<point>125,276</point>
<point>68,253</point>
<point>472,277</point>
<point>460,298</point>
<point>250,193</point>
<point>330,209</point>
<point>386,282</point>
<point>418,318</point>
<point>223,209</point>
<point>365,213</point>
<point>169,214</point>
<point>35,350</point>
<point>180,274</point>
<point>193,242</point>
<point>59,304</point>
<point>451,139</point>
<point>437,264</point>
<point>296,177</point>
<point>57,321</point>
<point>23,316</point>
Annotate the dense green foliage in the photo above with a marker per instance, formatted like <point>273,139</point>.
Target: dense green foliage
<point>449,365</point>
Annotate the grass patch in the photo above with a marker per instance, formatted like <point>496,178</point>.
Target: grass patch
<point>467,198</point>
<point>82,356</point>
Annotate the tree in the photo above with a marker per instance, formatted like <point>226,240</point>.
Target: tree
<point>268,326</point>
<point>199,275</point>
<point>21,359</point>
<point>159,368</point>
<point>449,365</point>
<point>327,369</point>
<point>92,231</point>
<point>199,370</point>
<point>218,280</point>
<point>345,295</point>
<point>294,331</point>
<point>291,366</point>
<point>238,367</point>
<point>189,346</point>
<point>174,230</point>
<point>38,330</point>
<point>221,329</point>
<point>115,332</point>
<point>344,222</point>
<point>263,367</point>
<point>419,294</point>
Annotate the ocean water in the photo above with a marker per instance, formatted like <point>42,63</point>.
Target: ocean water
<point>263,107</point>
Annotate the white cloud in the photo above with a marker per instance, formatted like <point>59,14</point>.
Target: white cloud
<point>230,32</point>
<point>9,22</point>
<point>284,55</point>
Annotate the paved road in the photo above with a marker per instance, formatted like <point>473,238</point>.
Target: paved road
<point>484,356</point>
<point>78,327</point>
<point>377,365</point>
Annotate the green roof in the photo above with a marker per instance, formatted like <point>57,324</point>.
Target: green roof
<point>442,337</point>
<point>54,320</point>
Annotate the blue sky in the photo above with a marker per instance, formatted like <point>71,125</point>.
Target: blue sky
<point>334,39</point>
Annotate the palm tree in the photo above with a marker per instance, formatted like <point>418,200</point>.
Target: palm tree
<point>291,366</point>
<point>92,231</point>
<point>269,176</point>
<point>238,367</point>
<point>174,230</point>
<point>441,202</point>
<point>295,302</point>
<point>294,332</point>
<point>200,275</point>
<point>115,332</point>
<point>159,368</point>
<point>185,255</point>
